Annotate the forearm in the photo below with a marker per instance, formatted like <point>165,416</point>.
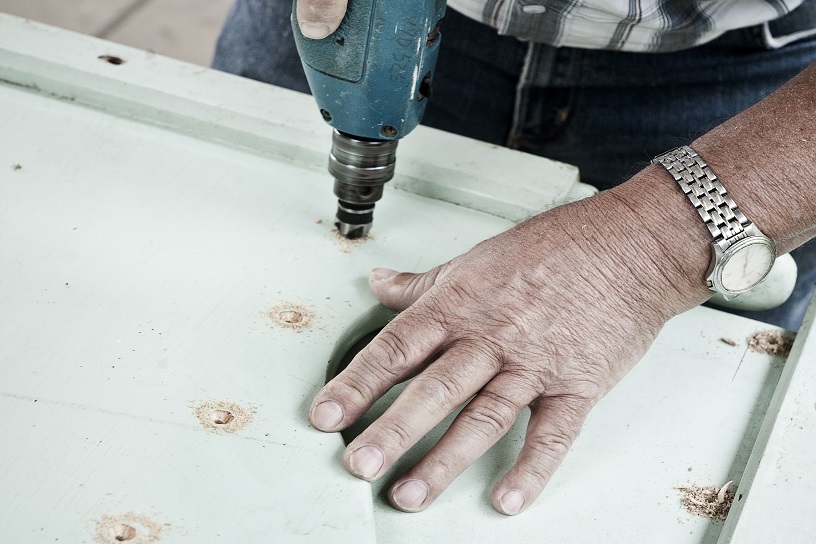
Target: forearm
<point>765,157</point>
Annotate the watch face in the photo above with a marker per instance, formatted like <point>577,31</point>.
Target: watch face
<point>747,263</point>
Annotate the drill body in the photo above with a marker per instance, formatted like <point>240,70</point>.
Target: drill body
<point>371,79</point>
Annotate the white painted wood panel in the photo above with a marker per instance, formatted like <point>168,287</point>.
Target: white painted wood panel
<point>153,213</point>
<point>688,413</point>
<point>779,488</point>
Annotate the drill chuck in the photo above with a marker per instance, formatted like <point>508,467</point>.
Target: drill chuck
<point>360,167</point>
<point>371,79</point>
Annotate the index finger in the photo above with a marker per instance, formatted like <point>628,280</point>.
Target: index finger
<point>319,18</point>
<point>402,348</point>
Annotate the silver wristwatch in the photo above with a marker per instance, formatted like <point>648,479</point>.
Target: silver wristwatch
<point>742,255</point>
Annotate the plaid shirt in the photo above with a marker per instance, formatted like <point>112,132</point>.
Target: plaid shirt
<point>625,25</point>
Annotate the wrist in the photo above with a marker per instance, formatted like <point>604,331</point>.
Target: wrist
<point>665,234</point>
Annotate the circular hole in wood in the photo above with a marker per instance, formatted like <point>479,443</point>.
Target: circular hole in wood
<point>112,59</point>
<point>221,417</point>
<point>122,532</point>
<point>293,317</point>
<point>288,315</point>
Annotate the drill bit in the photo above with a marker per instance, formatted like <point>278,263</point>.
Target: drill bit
<point>360,167</point>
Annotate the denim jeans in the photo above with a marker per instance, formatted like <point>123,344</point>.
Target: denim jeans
<point>606,112</point>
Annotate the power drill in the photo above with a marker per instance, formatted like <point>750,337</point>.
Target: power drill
<point>371,79</point>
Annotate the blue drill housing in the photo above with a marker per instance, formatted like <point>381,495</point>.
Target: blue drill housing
<point>372,76</point>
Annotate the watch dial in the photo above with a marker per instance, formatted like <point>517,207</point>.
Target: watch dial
<point>746,267</point>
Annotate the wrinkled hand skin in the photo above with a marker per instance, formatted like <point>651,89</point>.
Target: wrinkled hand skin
<point>549,315</point>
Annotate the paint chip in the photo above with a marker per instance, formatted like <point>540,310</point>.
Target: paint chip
<point>128,527</point>
<point>224,416</point>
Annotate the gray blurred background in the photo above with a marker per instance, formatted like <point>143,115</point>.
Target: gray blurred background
<point>183,29</point>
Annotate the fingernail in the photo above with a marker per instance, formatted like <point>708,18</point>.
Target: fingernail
<point>511,502</point>
<point>366,462</point>
<point>411,494</point>
<point>327,415</point>
<point>380,274</point>
<point>315,31</point>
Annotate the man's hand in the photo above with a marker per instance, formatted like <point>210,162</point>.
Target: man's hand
<point>554,312</point>
<point>319,18</point>
<point>550,315</point>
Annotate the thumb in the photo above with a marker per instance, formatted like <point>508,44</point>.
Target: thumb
<point>319,18</point>
<point>397,291</point>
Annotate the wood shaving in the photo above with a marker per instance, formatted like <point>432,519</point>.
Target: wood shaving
<point>771,342</point>
<point>128,527</point>
<point>710,501</point>
<point>728,341</point>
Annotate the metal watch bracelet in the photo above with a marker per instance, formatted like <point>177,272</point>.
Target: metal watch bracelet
<point>742,255</point>
<point>711,200</point>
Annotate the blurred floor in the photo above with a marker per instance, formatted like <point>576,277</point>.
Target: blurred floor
<point>183,29</point>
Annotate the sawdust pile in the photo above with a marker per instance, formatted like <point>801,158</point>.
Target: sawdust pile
<point>771,342</point>
<point>291,316</point>
<point>345,245</point>
<point>129,527</point>
<point>710,501</point>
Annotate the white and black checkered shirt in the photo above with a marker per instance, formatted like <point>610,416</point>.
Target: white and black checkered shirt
<point>625,25</point>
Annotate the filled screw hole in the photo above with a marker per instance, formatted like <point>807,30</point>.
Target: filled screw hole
<point>122,532</point>
<point>221,417</point>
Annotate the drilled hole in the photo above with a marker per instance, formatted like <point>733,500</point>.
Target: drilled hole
<point>291,316</point>
<point>326,115</point>
<point>122,533</point>
<point>129,527</point>
<point>221,417</point>
<point>112,59</point>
